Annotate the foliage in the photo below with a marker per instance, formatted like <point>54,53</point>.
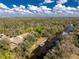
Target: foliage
<point>43,27</point>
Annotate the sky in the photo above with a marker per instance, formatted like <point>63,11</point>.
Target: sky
<point>39,8</point>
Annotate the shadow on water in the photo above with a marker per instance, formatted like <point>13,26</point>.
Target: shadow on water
<point>41,51</point>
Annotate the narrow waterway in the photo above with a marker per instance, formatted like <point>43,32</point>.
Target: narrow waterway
<point>41,51</point>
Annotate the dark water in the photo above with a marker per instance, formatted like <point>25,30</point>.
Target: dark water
<point>40,52</point>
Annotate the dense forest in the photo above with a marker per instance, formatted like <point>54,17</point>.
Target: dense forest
<point>39,38</point>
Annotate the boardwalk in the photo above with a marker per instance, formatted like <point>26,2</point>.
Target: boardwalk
<point>40,41</point>
<point>42,50</point>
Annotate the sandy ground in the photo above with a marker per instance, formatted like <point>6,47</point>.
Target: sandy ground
<point>74,56</point>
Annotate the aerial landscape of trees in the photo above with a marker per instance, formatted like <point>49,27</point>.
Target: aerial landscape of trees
<point>40,30</point>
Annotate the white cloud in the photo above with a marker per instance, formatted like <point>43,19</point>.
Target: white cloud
<point>14,6</point>
<point>27,11</point>
<point>48,1</point>
<point>60,7</point>
<point>9,11</point>
<point>32,7</point>
<point>61,1</point>
<point>22,6</point>
<point>2,6</point>
<point>41,11</point>
<point>19,9</point>
<point>59,10</point>
<point>44,8</point>
<point>62,10</point>
<point>12,12</point>
<point>36,8</point>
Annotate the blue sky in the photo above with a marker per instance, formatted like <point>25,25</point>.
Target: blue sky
<point>9,3</point>
<point>48,8</point>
